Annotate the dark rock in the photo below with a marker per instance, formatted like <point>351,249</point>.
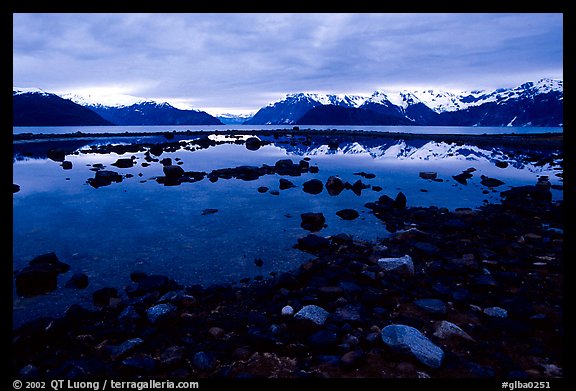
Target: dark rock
<point>352,359</point>
<point>433,306</point>
<point>173,171</point>
<point>286,184</point>
<point>287,167</point>
<point>347,214</point>
<point>139,364</point>
<point>123,163</point>
<point>156,150</point>
<point>323,339</point>
<point>66,165</point>
<point>50,260</point>
<point>400,201</point>
<point>209,211</point>
<point>104,178</point>
<point>15,188</point>
<point>166,161</point>
<point>490,182</point>
<point>501,164</point>
<point>314,169</point>
<point>312,221</point>
<point>334,185</point>
<point>103,297</point>
<point>357,187</point>
<point>137,276</point>
<point>428,175</point>
<point>313,186</point>
<point>463,177</point>
<point>274,192</point>
<point>258,262</point>
<point>262,189</point>
<point>56,154</point>
<point>365,175</point>
<point>77,281</point>
<point>313,243</point>
<point>33,281</point>
<point>203,361</point>
<point>253,143</point>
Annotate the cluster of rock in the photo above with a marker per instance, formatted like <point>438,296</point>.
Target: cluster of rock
<point>469,293</point>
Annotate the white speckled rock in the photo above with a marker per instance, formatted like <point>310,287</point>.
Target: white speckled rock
<point>407,339</point>
<point>159,311</point>
<point>287,310</point>
<point>402,265</point>
<point>496,312</point>
<point>445,329</point>
<point>312,313</point>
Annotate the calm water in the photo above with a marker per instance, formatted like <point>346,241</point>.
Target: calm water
<point>396,129</point>
<point>139,224</point>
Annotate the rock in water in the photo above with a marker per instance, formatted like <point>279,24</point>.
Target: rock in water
<point>173,172</point>
<point>407,339</point>
<point>286,184</point>
<point>334,185</point>
<point>347,214</point>
<point>312,313</point>
<point>253,143</point>
<point>400,201</point>
<point>402,265</point>
<point>312,221</point>
<point>313,186</point>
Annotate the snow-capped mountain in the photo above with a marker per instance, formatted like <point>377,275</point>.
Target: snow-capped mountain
<point>153,113</point>
<point>530,104</point>
<point>289,109</point>
<point>35,107</point>
<point>234,119</point>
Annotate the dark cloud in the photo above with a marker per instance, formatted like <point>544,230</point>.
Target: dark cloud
<point>242,61</point>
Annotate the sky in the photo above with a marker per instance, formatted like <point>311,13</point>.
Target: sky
<point>239,62</point>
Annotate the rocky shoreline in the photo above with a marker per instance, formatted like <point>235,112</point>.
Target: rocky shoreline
<point>470,293</point>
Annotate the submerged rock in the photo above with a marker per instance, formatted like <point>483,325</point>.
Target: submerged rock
<point>407,339</point>
<point>490,182</point>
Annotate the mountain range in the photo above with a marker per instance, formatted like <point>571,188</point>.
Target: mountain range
<point>530,104</point>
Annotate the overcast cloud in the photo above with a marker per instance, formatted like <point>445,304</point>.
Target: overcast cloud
<point>230,62</point>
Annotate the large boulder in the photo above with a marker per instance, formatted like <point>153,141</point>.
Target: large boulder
<point>312,221</point>
<point>409,340</point>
